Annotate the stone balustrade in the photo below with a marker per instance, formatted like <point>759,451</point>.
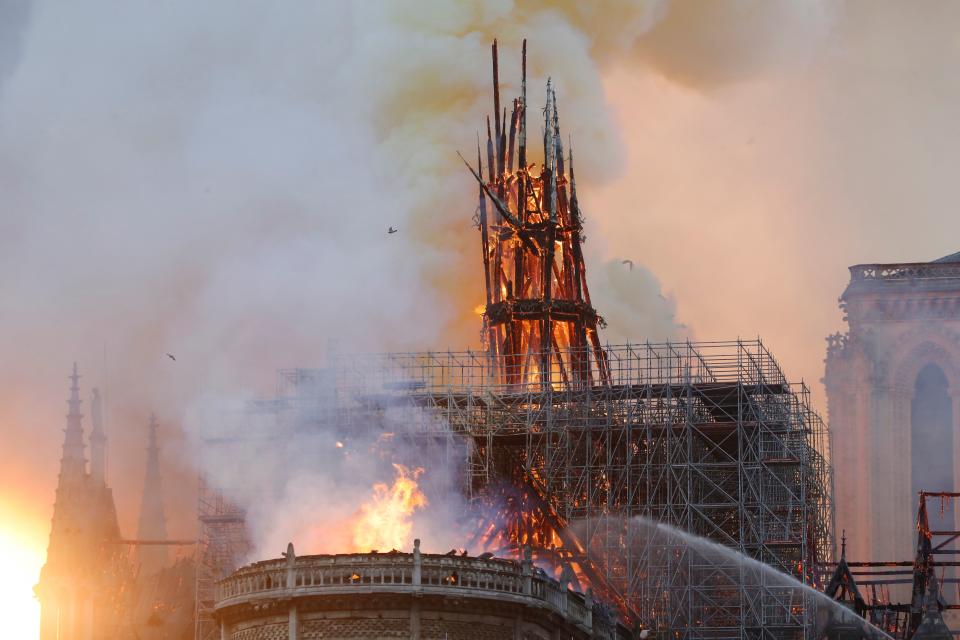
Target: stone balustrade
<point>396,572</point>
<point>905,271</point>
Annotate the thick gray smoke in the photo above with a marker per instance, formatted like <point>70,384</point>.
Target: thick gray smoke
<point>633,304</point>
<point>216,180</point>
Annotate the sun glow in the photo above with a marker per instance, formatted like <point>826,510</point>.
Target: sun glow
<point>22,551</point>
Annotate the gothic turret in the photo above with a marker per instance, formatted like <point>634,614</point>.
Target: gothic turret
<point>72,462</point>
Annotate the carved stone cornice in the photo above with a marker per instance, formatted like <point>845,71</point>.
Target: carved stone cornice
<point>904,276</point>
<point>903,307</point>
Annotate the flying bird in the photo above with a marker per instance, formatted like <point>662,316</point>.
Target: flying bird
<point>391,230</point>
<point>628,263</point>
<point>170,355</point>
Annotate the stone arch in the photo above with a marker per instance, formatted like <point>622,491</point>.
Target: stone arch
<point>896,363</point>
<point>932,432</point>
<point>915,350</point>
<point>929,344</point>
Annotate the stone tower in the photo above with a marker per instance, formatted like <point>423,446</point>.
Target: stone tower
<point>893,387</point>
<point>81,577</point>
<point>153,521</point>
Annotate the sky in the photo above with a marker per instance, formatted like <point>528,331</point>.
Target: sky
<point>215,181</point>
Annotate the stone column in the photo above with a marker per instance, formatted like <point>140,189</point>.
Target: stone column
<point>881,478</point>
<point>293,624</point>
<point>526,570</point>
<point>416,563</point>
<point>291,566</point>
<point>859,533</point>
<point>415,601</point>
<point>224,631</point>
<point>902,529</point>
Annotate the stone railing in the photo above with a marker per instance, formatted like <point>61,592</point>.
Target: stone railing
<point>396,572</point>
<point>904,271</point>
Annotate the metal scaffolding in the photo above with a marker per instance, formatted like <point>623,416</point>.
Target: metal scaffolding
<point>709,438</point>
<point>223,547</point>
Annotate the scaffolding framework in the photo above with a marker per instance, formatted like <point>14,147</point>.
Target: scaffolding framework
<point>223,547</point>
<point>709,438</point>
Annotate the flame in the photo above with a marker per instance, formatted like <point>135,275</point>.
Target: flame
<point>385,521</point>
<point>480,309</point>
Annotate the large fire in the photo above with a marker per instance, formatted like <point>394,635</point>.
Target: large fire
<point>386,520</point>
<point>538,318</point>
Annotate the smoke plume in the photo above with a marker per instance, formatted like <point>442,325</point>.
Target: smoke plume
<point>216,181</point>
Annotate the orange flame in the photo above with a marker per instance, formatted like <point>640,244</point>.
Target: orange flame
<point>385,521</point>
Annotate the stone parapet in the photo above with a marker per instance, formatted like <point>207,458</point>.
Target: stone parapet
<point>401,595</point>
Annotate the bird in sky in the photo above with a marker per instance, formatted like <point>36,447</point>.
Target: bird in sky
<point>628,263</point>
<point>170,355</point>
<point>391,230</point>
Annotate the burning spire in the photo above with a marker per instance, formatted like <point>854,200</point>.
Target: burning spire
<point>538,320</point>
<point>153,521</point>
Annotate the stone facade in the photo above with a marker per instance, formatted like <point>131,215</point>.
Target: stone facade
<point>893,431</point>
<point>403,595</point>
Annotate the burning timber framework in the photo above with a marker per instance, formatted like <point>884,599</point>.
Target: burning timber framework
<point>707,437</point>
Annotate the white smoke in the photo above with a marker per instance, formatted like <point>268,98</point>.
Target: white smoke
<point>216,180</point>
<point>302,464</point>
<point>634,304</point>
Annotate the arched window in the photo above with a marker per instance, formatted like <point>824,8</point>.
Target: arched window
<point>931,438</point>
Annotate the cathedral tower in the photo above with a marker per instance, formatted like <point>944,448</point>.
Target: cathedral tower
<point>80,580</point>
